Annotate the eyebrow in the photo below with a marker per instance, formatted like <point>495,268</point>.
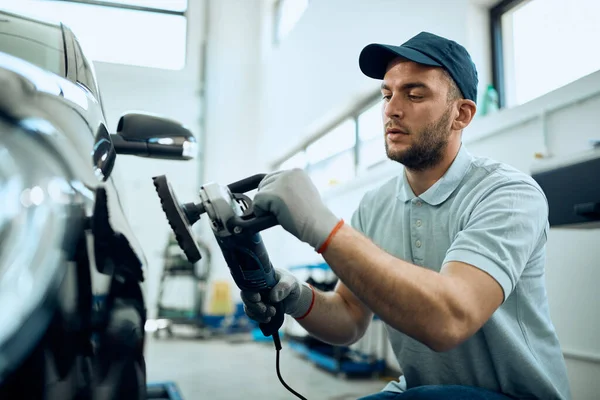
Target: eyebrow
<point>407,86</point>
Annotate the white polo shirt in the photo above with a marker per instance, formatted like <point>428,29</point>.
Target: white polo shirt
<point>494,217</point>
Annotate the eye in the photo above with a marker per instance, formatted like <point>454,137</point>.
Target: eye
<point>386,97</point>
<point>414,97</point>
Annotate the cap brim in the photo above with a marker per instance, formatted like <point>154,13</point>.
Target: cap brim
<point>375,58</point>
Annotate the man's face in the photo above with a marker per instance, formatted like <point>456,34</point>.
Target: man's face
<point>416,114</point>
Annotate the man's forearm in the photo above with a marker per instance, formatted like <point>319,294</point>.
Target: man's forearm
<point>332,321</point>
<point>412,299</point>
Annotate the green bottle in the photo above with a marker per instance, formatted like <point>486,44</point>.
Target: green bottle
<point>490,101</point>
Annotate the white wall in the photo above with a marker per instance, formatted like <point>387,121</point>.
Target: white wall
<point>313,79</point>
<point>217,97</point>
<point>479,43</point>
<point>515,136</point>
<point>127,88</point>
<point>573,267</point>
<point>231,107</point>
<point>313,76</point>
<point>232,87</point>
<point>174,94</point>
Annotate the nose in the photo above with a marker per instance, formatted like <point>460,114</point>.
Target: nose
<point>392,108</point>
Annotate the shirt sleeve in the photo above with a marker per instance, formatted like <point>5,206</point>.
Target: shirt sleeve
<point>356,222</point>
<point>502,232</point>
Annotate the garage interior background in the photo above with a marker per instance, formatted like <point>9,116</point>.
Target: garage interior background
<point>256,100</point>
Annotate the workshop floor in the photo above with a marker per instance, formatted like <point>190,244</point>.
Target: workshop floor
<point>218,369</point>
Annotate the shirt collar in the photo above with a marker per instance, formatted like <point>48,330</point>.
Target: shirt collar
<point>443,188</point>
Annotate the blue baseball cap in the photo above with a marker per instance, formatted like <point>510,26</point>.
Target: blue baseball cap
<point>428,49</point>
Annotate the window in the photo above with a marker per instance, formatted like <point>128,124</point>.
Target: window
<point>541,45</point>
<point>337,140</point>
<point>298,160</point>
<point>36,42</point>
<point>134,32</point>
<point>371,146</point>
<point>351,146</point>
<point>86,74</point>
<point>287,14</point>
<point>159,5</point>
<point>331,158</point>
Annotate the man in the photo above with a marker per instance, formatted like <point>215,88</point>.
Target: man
<point>450,255</point>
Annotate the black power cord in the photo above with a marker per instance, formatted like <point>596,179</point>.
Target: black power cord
<point>277,342</point>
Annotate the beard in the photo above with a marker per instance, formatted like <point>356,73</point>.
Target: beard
<point>428,149</point>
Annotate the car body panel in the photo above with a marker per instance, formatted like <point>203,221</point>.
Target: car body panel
<point>27,91</point>
<point>58,103</point>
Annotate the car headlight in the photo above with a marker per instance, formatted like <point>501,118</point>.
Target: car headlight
<point>35,197</point>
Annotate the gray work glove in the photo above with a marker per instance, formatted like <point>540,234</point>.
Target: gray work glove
<point>295,296</point>
<point>292,197</point>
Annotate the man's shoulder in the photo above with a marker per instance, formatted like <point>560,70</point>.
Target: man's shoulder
<point>491,173</point>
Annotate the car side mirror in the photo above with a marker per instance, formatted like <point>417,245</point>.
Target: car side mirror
<point>148,135</point>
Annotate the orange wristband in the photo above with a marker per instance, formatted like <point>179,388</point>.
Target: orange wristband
<point>312,303</point>
<point>328,240</point>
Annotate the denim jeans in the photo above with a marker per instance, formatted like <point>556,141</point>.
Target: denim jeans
<point>446,392</point>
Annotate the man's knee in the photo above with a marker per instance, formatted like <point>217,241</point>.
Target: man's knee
<point>450,392</point>
<point>384,395</point>
<point>436,392</point>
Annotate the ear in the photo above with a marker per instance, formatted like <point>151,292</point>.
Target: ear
<point>466,112</point>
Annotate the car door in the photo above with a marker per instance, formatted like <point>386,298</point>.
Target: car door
<point>84,75</point>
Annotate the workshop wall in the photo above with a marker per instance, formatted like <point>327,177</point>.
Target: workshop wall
<point>557,124</point>
<point>231,109</point>
<point>313,78</point>
<point>127,88</point>
<point>260,99</point>
<point>173,94</point>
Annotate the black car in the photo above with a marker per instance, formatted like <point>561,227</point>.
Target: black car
<point>62,226</point>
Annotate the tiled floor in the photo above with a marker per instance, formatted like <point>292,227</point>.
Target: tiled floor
<point>219,369</point>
